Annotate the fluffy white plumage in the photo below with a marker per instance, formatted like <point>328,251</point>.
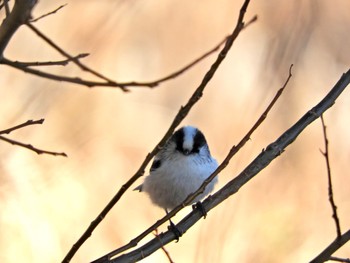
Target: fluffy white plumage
<point>180,168</point>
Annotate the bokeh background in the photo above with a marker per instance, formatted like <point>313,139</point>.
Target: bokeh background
<point>282,215</point>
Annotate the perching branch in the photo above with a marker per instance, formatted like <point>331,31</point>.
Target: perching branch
<point>24,145</point>
<point>184,110</point>
<point>330,187</point>
<point>272,151</point>
<point>48,14</point>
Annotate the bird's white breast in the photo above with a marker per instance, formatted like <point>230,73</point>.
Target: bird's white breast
<point>176,178</point>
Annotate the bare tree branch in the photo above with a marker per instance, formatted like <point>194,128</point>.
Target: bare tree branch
<point>22,64</point>
<point>344,260</point>
<point>7,8</point>
<point>330,187</point>
<point>45,15</point>
<point>19,15</point>
<point>24,145</point>
<point>184,110</point>
<point>272,151</point>
<point>27,123</point>
<point>65,54</point>
<point>334,246</point>
<point>31,147</point>
<point>163,248</point>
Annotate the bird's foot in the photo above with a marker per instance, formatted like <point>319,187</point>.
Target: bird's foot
<point>201,208</point>
<point>175,230</point>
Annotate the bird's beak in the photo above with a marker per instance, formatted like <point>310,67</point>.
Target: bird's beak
<point>186,152</point>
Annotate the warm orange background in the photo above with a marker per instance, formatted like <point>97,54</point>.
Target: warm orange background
<point>283,215</point>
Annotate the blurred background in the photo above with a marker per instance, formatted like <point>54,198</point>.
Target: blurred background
<point>282,215</point>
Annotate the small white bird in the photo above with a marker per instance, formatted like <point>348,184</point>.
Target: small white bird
<point>179,169</point>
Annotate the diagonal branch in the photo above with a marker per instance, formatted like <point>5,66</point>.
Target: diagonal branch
<point>184,110</point>
<point>48,14</point>
<point>27,123</point>
<point>31,147</point>
<point>19,15</point>
<point>330,187</point>
<point>272,151</point>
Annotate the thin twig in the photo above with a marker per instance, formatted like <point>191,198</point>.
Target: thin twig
<point>184,110</point>
<point>20,14</point>
<point>91,84</point>
<point>330,187</point>
<point>24,145</point>
<point>344,260</point>
<point>49,63</point>
<point>75,80</point>
<point>7,8</point>
<point>163,248</point>
<point>334,246</point>
<point>31,147</point>
<point>185,68</point>
<point>180,71</point>
<point>24,124</point>
<point>65,54</point>
<point>45,15</point>
<point>271,152</point>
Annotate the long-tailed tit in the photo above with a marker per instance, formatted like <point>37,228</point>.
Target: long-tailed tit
<point>179,169</point>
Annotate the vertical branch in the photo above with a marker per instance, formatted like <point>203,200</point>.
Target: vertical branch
<point>19,15</point>
<point>330,187</point>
